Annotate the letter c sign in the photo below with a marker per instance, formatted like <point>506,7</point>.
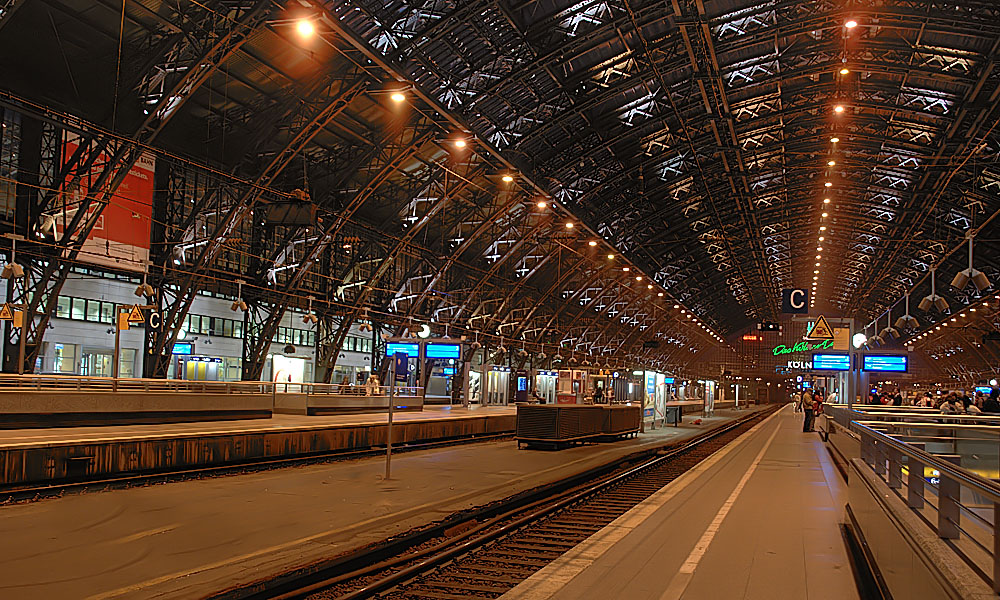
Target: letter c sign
<point>795,301</point>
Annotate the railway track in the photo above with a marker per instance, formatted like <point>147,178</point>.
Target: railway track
<point>488,554</point>
<point>31,493</point>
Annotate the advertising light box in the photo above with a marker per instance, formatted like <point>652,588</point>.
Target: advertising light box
<point>985,389</point>
<point>183,348</point>
<point>408,349</point>
<point>885,363</point>
<point>831,362</point>
<point>444,351</point>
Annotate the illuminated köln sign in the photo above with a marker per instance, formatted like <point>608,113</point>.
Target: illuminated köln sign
<point>781,349</point>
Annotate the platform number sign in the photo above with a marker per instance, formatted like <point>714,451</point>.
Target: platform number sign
<point>795,301</point>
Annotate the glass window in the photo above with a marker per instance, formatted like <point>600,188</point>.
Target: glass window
<point>94,310</point>
<point>79,309</point>
<point>238,329</point>
<point>297,337</point>
<point>62,306</point>
<point>107,312</point>
<point>227,327</point>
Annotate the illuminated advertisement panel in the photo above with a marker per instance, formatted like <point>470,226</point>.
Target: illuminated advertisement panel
<point>408,349</point>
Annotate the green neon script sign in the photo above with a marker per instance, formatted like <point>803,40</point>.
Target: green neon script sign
<point>801,347</point>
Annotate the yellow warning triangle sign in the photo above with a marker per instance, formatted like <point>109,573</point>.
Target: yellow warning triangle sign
<point>821,330</point>
<point>6,313</point>
<point>135,315</point>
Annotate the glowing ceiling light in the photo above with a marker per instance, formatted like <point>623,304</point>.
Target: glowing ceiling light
<point>828,184</point>
<point>305,28</point>
<point>460,143</point>
<point>844,71</point>
<point>625,269</point>
<point>838,109</point>
<point>611,257</point>
<point>822,228</point>
<point>851,24</point>
<point>507,178</point>
<point>826,200</point>
<point>397,97</point>
<point>638,277</point>
<point>832,163</point>
<point>591,243</point>
<point>835,139</point>
<point>821,238</point>
<point>569,225</point>
<point>542,204</point>
<point>825,215</point>
<point>649,286</point>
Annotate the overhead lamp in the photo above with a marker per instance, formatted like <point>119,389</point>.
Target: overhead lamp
<point>828,184</point>
<point>816,272</point>
<point>844,70</point>
<point>569,225</point>
<point>835,139</point>
<point>611,257</point>
<point>831,163</point>
<point>365,321</point>
<point>460,143</point>
<point>542,204</point>
<point>397,97</point>
<point>977,277</point>
<point>507,178</point>
<point>638,277</point>
<point>625,269</point>
<point>649,286</point>
<point>310,317</point>
<point>821,238</point>
<point>825,215</point>
<point>238,303</point>
<point>907,321</point>
<point>12,270</point>
<point>932,300</point>
<point>838,109</point>
<point>826,200</point>
<point>591,243</point>
<point>659,294</point>
<point>305,28</point>
<point>851,24</point>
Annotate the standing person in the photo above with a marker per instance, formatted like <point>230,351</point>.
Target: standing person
<point>372,386</point>
<point>992,404</point>
<point>807,407</point>
<point>797,401</point>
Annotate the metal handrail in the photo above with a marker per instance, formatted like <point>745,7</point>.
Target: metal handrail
<point>981,484</point>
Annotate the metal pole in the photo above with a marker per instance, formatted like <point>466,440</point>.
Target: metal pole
<point>388,434</point>
<point>20,342</point>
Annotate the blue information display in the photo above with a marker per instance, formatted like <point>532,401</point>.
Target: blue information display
<point>183,348</point>
<point>831,362</point>
<point>886,363</point>
<point>444,351</point>
<point>985,389</point>
<point>668,380</point>
<point>408,349</point>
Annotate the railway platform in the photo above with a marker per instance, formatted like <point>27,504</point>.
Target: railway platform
<point>41,455</point>
<point>199,538</point>
<point>759,519</point>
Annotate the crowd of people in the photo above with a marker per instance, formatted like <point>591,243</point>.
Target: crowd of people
<point>952,403</point>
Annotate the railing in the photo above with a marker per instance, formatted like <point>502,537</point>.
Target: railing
<point>125,384</point>
<point>966,524</point>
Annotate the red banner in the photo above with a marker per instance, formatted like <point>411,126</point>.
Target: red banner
<point>120,239</point>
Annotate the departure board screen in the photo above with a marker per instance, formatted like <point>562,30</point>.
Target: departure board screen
<point>885,363</point>
<point>831,362</point>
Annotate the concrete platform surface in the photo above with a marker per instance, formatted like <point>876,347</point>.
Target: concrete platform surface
<point>189,539</point>
<point>278,422</point>
<point>758,520</point>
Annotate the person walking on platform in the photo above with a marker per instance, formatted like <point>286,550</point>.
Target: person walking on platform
<point>807,407</point>
<point>797,401</point>
<point>372,386</point>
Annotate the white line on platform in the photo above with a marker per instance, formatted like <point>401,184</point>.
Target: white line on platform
<point>677,585</point>
<point>546,582</point>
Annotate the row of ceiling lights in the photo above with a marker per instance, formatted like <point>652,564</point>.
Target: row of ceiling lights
<point>838,110</point>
